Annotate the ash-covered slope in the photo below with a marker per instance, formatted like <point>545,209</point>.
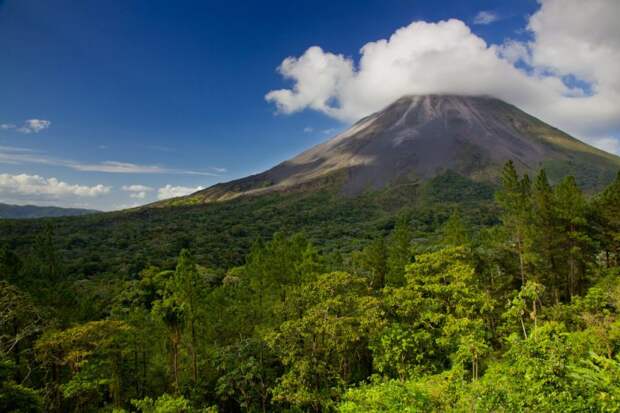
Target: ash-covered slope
<point>418,137</point>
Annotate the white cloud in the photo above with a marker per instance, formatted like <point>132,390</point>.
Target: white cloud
<point>170,191</point>
<point>485,17</point>
<point>137,191</point>
<point>34,126</point>
<point>308,129</point>
<point>6,126</point>
<point>35,185</point>
<point>317,75</point>
<point>446,57</point>
<point>137,188</point>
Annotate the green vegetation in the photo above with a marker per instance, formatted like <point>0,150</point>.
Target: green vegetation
<point>434,297</point>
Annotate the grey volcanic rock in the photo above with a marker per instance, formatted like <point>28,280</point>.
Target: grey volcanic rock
<point>419,137</point>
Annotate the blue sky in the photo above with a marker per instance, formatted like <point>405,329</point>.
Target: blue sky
<point>155,93</point>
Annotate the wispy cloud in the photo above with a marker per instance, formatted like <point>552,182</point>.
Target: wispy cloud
<point>34,126</point>
<point>11,155</point>
<point>29,126</point>
<point>308,129</point>
<point>486,17</point>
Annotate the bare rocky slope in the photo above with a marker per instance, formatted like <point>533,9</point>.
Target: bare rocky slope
<point>418,137</point>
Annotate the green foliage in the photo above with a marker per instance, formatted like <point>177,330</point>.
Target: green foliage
<point>89,357</point>
<point>168,404</point>
<point>14,397</point>
<point>399,252</point>
<point>390,396</point>
<point>247,374</point>
<point>423,297</point>
<point>323,343</point>
<point>598,377</point>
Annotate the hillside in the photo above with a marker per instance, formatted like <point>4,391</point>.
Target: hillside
<point>419,137</point>
<point>8,211</point>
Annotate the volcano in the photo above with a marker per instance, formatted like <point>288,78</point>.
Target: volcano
<point>419,137</point>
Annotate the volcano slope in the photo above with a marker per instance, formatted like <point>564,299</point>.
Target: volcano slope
<point>419,137</point>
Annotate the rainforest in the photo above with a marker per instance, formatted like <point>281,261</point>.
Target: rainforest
<point>427,308</point>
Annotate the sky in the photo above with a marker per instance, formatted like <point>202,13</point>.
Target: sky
<point>114,104</point>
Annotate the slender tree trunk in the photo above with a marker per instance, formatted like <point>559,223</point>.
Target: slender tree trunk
<point>194,355</point>
<point>175,357</point>
<point>523,327</point>
<point>521,260</point>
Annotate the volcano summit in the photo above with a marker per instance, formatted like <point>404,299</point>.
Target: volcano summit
<point>418,137</point>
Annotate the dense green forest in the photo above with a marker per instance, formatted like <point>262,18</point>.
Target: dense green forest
<point>462,300</point>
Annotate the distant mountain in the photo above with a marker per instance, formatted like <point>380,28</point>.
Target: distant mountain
<point>417,138</point>
<point>32,211</point>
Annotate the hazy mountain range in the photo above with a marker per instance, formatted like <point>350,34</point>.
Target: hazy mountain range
<point>32,211</point>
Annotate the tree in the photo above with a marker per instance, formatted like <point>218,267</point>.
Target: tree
<point>373,262</point>
<point>90,356</point>
<point>438,306</point>
<point>186,291</point>
<point>532,375</point>
<point>324,347</point>
<point>167,309</point>
<point>10,264</point>
<point>454,232</point>
<point>544,233</point>
<point>247,373</point>
<point>16,397</point>
<point>574,239</point>
<point>20,324</point>
<point>525,306</point>
<point>399,252</point>
<point>514,199</point>
<point>607,208</point>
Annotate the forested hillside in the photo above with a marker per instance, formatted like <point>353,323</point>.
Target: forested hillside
<point>447,298</point>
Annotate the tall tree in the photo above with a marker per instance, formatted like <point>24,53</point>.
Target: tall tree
<point>372,261</point>
<point>575,241</point>
<point>399,252</point>
<point>453,232</point>
<point>514,199</point>
<point>167,309</point>
<point>544,234</point>
<point>607,208</point>
<point>187,294</point>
